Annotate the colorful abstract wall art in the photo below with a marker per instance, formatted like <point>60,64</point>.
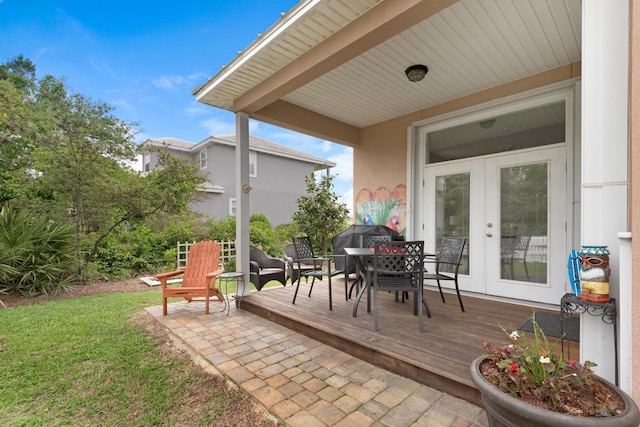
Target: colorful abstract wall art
<point>383,207</point>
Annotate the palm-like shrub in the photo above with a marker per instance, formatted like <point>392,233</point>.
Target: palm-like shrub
<point>37,256</point>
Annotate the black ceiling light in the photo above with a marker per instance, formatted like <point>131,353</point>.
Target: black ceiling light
<point>415,73</point>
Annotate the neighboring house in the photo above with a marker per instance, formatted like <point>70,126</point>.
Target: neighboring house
<point>277,174</point>
<point>527,122</point>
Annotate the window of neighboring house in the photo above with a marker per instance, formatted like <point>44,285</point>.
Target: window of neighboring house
<point>253,164</point>
<point>232,207</point>
<point>203,159</point>
<point>146,162</point>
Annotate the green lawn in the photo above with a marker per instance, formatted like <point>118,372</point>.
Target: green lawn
<point>83,361</point>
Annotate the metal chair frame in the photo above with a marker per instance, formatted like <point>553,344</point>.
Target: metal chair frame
<point>450,254</point>
<point>516,249</point>
<point>398,266</point>
<point>305,257</point>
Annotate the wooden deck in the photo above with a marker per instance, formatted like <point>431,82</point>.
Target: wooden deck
<point>440,357</point>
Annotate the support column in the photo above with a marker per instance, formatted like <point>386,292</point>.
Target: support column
<point>625,308</point>
<point>633,322</point>
<point>605,47</point>
<point>242,197</point>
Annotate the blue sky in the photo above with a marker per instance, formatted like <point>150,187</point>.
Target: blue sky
<point>145,57</point>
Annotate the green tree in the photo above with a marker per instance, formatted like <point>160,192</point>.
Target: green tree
<point>320,214</point>
<point>20,72</point>
<point>262,235</point>
<point>80,156</point>
<point>166,190</point>
<point>19,126</point>
<point>65,157</point>
<point>81,174</point>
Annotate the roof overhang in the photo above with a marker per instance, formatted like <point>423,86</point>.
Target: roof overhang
<point>330,68</point>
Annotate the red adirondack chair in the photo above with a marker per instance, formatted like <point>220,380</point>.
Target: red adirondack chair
<point>199,276</point>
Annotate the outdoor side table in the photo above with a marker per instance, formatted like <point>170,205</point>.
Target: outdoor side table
<point>237,277</point>
<point>570,303</point>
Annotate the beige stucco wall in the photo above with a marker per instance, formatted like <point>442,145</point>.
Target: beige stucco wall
<point>634,189</point>
<point>382,157</point>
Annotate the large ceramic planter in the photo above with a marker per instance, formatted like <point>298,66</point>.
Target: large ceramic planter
<point>504,410</point>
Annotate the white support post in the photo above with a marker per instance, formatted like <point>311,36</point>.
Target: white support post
<point>625,308</point>
<point>605,44</point>
<point>242,198</point>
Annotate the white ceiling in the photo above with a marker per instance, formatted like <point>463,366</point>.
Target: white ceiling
<point>303,27</point>
<point>470,46</point>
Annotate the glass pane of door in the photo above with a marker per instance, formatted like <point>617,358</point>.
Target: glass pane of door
<point>452,210</point>
<point>524,222</point>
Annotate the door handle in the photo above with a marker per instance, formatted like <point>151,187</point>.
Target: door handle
<point>489,235</point>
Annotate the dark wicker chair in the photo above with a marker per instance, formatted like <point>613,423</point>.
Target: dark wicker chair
<point>264,268</point>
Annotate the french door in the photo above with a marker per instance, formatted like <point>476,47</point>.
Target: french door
<point>512,209</point>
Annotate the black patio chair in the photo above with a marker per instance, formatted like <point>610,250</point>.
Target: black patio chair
<point>448,258</point>
<point>305,257</point>
<point>366,241</point>
<point>399,267</point>
<point>295,270</point>
<point>515,248</point>
<point>369,241</point>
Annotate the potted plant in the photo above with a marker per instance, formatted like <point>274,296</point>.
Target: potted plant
<point>524,383</point>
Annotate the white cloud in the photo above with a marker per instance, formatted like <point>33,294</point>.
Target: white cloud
<point>171,83</point>
<point>344,165</point>
<point>253,126</point>
<point>177,83</point>
<point>215,126</point>
<point>347,199</point>
<point>194,77</point>
<point>343,176</point>
<point>197,109</point>
<point>122,103</point>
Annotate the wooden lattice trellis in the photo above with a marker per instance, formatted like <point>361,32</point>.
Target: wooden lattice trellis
<point>227,252</point>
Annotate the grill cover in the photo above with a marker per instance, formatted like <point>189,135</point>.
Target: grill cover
<point>350,238</point>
